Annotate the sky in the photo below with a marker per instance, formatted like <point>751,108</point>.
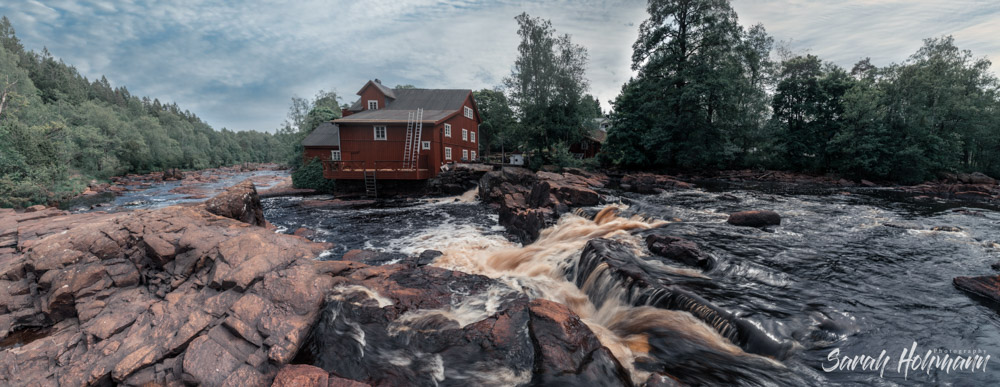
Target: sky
<point>238,63</point>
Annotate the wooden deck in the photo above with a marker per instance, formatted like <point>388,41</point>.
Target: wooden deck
<point>384,170</point>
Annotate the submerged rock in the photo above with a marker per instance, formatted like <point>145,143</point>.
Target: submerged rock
<point>755,218</point>
<point>679,250</point>
<point>987,287</point>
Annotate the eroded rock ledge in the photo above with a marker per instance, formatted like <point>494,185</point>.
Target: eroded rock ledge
<point>167,296</point>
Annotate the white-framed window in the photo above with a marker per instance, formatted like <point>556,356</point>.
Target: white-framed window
<point>473,156</point>
<point>425,145</point>
<point>465,154</point>
<point>468,112</point>
<point>380,133</point>
<point>447,153</point>
<point>465,135</point>
<point>472,136</point>
<point>335,155</point>
<point>373,104</point>
<point>447,130</point>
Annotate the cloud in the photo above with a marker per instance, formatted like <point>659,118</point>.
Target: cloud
<point>888,31</point>
<point>237,63</point>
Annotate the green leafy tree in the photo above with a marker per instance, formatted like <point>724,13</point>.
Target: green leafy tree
<point>546,86</point>
<point>58,130</point>
<point>497,132</point>
<point>310,176</point>
<point>808,106</point>
<point>700,82</point>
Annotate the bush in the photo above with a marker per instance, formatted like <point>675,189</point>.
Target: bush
<point>310,175</point>
<point>562,158</point>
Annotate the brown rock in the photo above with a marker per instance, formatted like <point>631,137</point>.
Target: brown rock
<point>304,232</point>
<point>755,218</point>
<point>680,250</point>
<point>34,208</point>
<point>341,382</point>
<point>987,287</point>
<point>301,375</point>
<point>568,352</point>
<point>238,202</point>
<point>159,250</point>
<point>209,363</point>
<point>647,183</point>
<point>112,308</point>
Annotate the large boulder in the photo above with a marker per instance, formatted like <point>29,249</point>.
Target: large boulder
<point>568,353</point>
<point>528,202</point>
<point>755,218</point>
<point>239,202</point>
<point>405,324</point>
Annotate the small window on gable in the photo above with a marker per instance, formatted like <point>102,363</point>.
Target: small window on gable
<point>472,137</point>
<point>335,155</point>
<point>372,104</point>
<point>380,133</point>
<point>447,130</point>
<point>468,112</point>
<point>473,156</point>
<point>465,154</point>
<point>447,153</point>
<point>465,135</point>
<point>425,145</point>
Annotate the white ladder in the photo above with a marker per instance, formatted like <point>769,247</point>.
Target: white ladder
<point>414,129</point>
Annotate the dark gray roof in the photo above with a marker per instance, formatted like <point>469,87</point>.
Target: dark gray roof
<point>427,99</point>
<point>392,115</point>
<point>597,135</point>
<point>326,134</point>
<point>385,90</point>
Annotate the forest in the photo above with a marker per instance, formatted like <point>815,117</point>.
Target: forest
<point>710,94</point>
<point>707,94</point>
<point>59,130</point>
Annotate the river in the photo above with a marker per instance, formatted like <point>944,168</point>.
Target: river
<point>854,273</point>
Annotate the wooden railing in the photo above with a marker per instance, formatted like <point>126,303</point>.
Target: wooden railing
<point>380,165</point>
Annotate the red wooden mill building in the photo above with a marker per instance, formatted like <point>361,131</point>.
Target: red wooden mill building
<point>397,134</point>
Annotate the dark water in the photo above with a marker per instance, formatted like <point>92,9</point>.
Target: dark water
<point>385,226</point>
<point>854,273</point>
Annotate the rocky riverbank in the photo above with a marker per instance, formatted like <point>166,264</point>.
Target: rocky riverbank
<point>952,186</point>
<point>209,294</point>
